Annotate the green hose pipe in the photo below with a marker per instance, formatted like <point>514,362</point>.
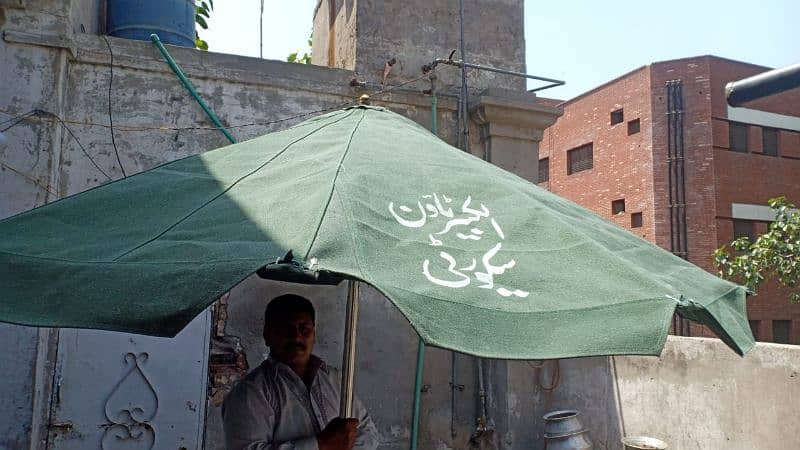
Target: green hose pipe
<point>434,113</point>
<point>421,348</point>
<point>188,85</point>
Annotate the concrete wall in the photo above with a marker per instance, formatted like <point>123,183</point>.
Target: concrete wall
<point>37,74</point>
<point>334,43</point>
<point>415,32</point>
<point>17,385</point>
<point>697,395</point>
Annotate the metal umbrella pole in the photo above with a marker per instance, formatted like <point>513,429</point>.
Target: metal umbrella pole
<point>349,356</point>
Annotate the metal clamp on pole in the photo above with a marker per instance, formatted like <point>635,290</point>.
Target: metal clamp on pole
<point>349,356</point>
<point>461,64</point>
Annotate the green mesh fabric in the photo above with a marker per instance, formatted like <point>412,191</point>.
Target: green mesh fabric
<point>479,260</point>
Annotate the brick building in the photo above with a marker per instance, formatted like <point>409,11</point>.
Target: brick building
<point>659,152</point>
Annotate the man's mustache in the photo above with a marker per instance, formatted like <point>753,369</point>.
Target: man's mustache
<point>294,345</point>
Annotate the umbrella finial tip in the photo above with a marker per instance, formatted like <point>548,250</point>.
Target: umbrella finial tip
<point>363,100</point>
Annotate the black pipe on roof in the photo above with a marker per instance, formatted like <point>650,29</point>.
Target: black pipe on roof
<point>763,85</point>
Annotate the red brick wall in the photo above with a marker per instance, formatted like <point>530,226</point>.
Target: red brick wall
<point>724,71</point>
<point>636,168</point>
<point>698,151</point>
<point>622,163</point>
<point>753,178</point>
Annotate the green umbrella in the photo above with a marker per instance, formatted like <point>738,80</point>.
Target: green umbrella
<point>478,260</point>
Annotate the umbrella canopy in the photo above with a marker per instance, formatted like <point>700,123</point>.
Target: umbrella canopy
<point>477,259</point>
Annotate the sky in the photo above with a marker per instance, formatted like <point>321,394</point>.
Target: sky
<point>584,43</point>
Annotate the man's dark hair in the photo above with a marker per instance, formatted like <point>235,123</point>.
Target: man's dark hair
<point>284,305</point>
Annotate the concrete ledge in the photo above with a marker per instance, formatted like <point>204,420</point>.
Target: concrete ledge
<point>697,395</point>
<point>40,39</point>
<point>514,109</point>
<point>196,64</point>
<point>200,65</point>
<point>19,4</point>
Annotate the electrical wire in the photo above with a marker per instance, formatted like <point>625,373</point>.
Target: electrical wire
<point>77,141</point>
<point>33,180</point>
<point>47,116</point>
<point>110,119</point>
<point>38,113</point>
<point>16,120</point>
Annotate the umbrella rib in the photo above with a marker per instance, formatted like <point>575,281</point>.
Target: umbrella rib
<point>225,191</point>
<point>333,186</point>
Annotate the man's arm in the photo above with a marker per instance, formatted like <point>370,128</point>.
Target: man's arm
<point>249,421</point>
<point>367,437</point>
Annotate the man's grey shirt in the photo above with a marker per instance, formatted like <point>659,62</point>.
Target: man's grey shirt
<point>272,409</point>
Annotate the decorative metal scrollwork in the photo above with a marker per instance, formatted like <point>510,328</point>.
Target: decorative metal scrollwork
<point>131,408</point>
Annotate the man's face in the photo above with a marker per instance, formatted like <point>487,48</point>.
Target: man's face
<point>290,338</point>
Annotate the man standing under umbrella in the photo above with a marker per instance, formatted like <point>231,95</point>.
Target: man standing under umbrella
<point>290,402</point>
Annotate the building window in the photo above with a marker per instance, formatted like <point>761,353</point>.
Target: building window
<point>618,206</point>
<point>636,220</point>
<point>744,228</point>
<point>754,327</point>
<point>633,127</point>
<point>544,170</point>
<point>737,136</point>
<point>617,117</point>
<point>769,141</point>
<point>580,158</point>
<point>780,331</point>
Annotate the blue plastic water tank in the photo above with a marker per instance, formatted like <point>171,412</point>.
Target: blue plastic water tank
<point>171,20</point>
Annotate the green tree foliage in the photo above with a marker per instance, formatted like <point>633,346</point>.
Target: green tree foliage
<point>202,14</point>
<point>305,58</point>
<point>774,255</point>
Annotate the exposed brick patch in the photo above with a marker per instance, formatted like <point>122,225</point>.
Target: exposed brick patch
<point>227,360</point>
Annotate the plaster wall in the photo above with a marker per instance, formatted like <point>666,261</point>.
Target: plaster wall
<point>415,32</point>
<point>334,43</point>
<point>40,71</point>
<point>697,395</point>
<point>16,389</point>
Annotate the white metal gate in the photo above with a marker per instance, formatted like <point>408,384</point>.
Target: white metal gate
<point>125,391</point>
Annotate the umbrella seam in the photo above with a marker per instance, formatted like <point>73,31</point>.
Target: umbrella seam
<point>48,258</point>
<point>736,287</point>
<point>333,188</point>
<point>226,190</point>
<point>356,258</point>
